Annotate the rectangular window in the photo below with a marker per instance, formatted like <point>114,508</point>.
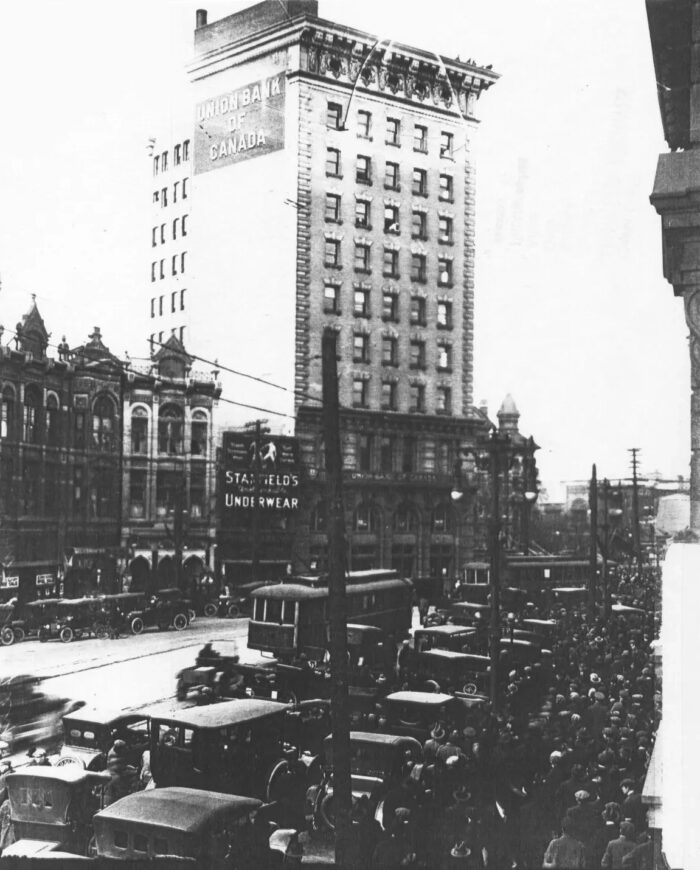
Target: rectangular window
<point>445,273</point>
<point>417,354</point>
<point>362,214</point>
<point>164,197</point>
<point>445,230</point>
<point>184,225</point>
<point>186,150</point>
<point>137,493</point>
<point>364,124</point>
<point>156,196</point>
<point>359,393</point>
<point>390,307</point>
<point>174,264</point>
<point>198,486</point>
<point>360,348</point>
<point>333,162</point>
<point>178,154</point>
<point>164,161</point>
<point>446,188</point>
<point>419,225</point>
<point>386,453</point>
<point>154,236</point>
<point>185,183</point>
<point>334,115</point>
<point>391,263</point>
<point>162,269</point>
<point>175,222</point>
<point>331,299</point>
<point>364,452</point>
<point>363,173</point>
<point>153,307</point>
<point>162,234</point>
<point>183,259</point>
<point>175,187</point>
<point>361,257</point>
<point>173,301</point>
<point>446,144</point>
<point>444,315</point>
<point>420,182</point>
<point>417,311</point>
<point>182,335</point>
<point>393,131</point>
<point>160,306</point>
<point>361,303</point>
<point>420,139</point>
<point>444,363</point>
<point>182,300</point>
<point>443,400</point>
<point>333,208</point>
<point>388,396</point>
<point>156,164</point>
<point>417,399</point>
<point>408,459</point>
<point>418,267</point>
<point>391,176</point>
<point>332,254</point>
<point>391,219</point>
<point>154,267</point>
<point>390,348</point>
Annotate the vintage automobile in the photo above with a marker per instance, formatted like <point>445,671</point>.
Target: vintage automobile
<point>230,747</point>
<point>518,651</point>
<point>215,830</point>
<point>547,628</point>
<point>458,638</point>
<point>455,671</point>
<point>88,735</point>
<point>231,606</point>
<point>33,615</point>
<point>72,618</point>
<point>377,763</point>
<point>51,809</point>
<point>29,717</point>
<point>468,613</point>
<point>167,608</point>
<point>414,714</point>
<point>116,612</point>
<point>11,626</point>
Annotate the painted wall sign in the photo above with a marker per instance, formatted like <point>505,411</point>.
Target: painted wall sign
<point>240,124</point>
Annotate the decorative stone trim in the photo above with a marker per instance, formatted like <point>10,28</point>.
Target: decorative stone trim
<point>334,235</point>
<point>418,248</point>
<point>364,240</point>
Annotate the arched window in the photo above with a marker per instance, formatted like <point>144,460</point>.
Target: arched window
<point>32,406</point>
<point>103,428</point>
<point>443,519</point>
<point>139,431</point>
<point>366,518</point>
<point>52,421</point>
<point>319,516</point>
<point>405,519</point>
<point>170,426</point>
<point>7,421</point>
<point>200,433</point>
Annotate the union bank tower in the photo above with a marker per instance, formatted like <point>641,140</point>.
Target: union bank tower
<point>332,186</point>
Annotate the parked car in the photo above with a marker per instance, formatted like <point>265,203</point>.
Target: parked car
<point>458,638</point>
<point>455,671</point>
<point>11,626</point>
<point>89,733</point>
<point>215,830</point>
<point>377,764</point>
<point>51,809</point>
<point>414,714</point>
<point>71,619</point>
<point>167,608</point>
<point>33,615</point>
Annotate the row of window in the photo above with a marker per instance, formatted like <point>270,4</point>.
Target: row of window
<point>367,516</point>
<point>362,307</point>
<point>392,175</point>
<point>178,262</point>
<point>179,226</point>
<point>171,432</point>
<point>390,352</point>
<point>177,302</point>
<point>392,221</point>
<point>156,338</point>
<point>180,189</point>
<point>181,154</point>
<point>362,260</point>
<point>335,113</point>
<point>168,492</point>
<point>389,396</point>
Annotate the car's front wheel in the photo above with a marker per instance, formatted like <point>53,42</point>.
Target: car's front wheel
<point>66,634</point>
<point>136,625</point>
<point>7,636</point>
<point>180,621</point>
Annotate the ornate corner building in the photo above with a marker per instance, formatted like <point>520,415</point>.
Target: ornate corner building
<point>346,160</point>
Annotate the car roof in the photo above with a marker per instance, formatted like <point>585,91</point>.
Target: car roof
<point>69,773</point>
<point>373,737</point>
<point>181,809</point>
<point>428,698</point>
<point>446,629</point>
<point>543,622</point>
<point>450,655</point>
<point>223,714</point>
<point>102,716</point>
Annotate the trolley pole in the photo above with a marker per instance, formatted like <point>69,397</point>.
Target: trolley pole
<point>593,576</point>
<point>342,791</point>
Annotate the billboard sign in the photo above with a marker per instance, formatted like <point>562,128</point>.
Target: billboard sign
<point>240,124</point>
<point>262,474</point>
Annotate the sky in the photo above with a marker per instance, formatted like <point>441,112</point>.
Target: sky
<point>573,316</point>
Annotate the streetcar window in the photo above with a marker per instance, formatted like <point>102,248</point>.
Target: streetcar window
<point>274,610</point>
<point>121,839</point>
<point>140,843</point>
<point>259,610</point>
<point>160,846</point>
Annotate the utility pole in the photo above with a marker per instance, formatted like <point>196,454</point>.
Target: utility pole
<point>497,443</point>
<point>255,539</point>
<point>337,604</point>
<point>593,569</point>
<point>635,507</point>
<point>604,550</point>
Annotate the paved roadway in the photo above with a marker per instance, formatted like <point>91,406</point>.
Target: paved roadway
<point>128,673</point>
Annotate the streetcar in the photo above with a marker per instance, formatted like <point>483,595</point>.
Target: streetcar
<point>290,619</point>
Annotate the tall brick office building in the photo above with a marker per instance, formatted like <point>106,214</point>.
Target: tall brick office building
<point>347,162</point>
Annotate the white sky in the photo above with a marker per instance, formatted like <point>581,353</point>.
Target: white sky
<point>574,317</point>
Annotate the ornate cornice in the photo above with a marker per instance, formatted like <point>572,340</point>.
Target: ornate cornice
<point>387,69</point>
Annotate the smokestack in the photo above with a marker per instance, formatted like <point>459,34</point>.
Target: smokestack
<point>201,18</point>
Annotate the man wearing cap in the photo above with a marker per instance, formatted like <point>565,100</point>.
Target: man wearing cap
<point>434,742</point>
<point>565,852</point>
<point>616,849</point>
<point>632,806</point>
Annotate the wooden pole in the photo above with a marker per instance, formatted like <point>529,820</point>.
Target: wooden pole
<point>337,604</point>
<point>495,569</point>
<point>593,572</point>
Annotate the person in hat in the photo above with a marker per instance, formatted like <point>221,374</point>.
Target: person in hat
<point>565,852</point>
<point>395,852</point>
<point>616,849</point>
<point>438,735</point>
<point>587,825</point>
<point>632,807</point>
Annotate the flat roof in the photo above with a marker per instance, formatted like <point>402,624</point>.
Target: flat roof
<point>67,773</point>
<point>448,630</point>
<point>101,716</point>
<point>434,699</point>
<point>180,809</point>
<point>223,714</point>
